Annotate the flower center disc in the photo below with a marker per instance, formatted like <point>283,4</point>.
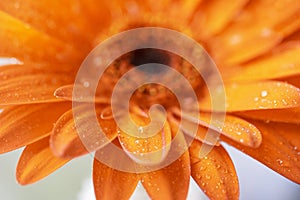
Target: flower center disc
<point>156,66</point>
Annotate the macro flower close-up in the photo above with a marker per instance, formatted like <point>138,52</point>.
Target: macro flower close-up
<point>252,104</point>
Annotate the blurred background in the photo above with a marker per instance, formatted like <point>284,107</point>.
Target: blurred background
<point>73,181</point>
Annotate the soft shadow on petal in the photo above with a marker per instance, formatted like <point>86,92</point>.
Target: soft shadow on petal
<point>169,183</point>
<point>280,149</point>
<point>215,173</point>
<point>22,125</point>
<point>287,115</point>
<point>112,184</point>
<point>36,162</point>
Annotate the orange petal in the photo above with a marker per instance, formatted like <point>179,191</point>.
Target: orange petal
<point>22,125</point>
<point>79,22</point>
<point>23,85</point>
<point>21,41</point>
<point>112,184</point>
<point>280,149</point>
<point>236,129</point>
<point>202,132</point>
<point>257,29</point>
<point>232,127</point>
<point>256,96</point>
<point>288,115</point>
<point>146,150</point>
<point>66,92</point>
<point>187,9</point>
<point>37,162</point>
<point>215,174</point>
<point>65,141</point>
<point>281,62</point>
<point>171,182</point>
<point>214,15</point>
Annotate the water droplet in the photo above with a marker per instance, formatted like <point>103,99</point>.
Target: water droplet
<point>295,148</point>
<point>97,61</point>
<point>264,93</point>
<point>279,161</point>
<point>265,32</point>
<point>86,84</point>
<point>242,140</point>
<point>17,5</point>
<point>141,129</point>
<point>235,39</point>
<point>207,176</point>
<point>256,99</point>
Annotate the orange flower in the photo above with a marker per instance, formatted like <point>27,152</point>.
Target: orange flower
<point>256,46</point>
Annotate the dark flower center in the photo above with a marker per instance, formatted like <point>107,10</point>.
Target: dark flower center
<point>150,56</point>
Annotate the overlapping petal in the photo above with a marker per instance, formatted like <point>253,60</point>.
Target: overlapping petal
<point>65,139</point>
<point>112,184</point>
<point>287,115</point>
<point>207,21</point>
<point>66,92</point>
<point>280,148</point>
<point>255,31</point>
<point>79,22</point>
<point>150,150</point>
<point>257,96</point>
<point>25,124</point>
<point>27,44</point>
<point>171,182</point>
<point>215,173</point>
<point>26,85</point>
<point>283,61</point>
<point>36,162</point>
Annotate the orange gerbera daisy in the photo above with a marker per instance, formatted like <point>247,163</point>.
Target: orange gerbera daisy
<point>255,44</point>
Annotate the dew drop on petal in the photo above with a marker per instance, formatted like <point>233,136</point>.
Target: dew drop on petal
<point>264,93</point>
<point>207,176</point>
<point>97,61</point>
<point>86,84</point>
<point>141,129</point>
<point>235,39</point>
<point>279,161</point>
